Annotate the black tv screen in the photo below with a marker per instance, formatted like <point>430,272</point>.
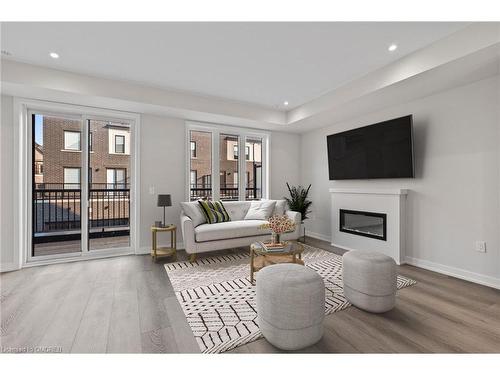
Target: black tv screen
<point>382,150</point>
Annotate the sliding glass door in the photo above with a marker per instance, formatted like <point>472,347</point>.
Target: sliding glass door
<point>81,182</point>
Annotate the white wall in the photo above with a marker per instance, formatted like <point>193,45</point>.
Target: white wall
<point>455,197</point>
<point>285,161</point>
<point>7,175</point>
<point>162,165</point>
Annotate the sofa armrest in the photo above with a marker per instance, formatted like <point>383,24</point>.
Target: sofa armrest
<point>296,217</point>
<point>187,229</point>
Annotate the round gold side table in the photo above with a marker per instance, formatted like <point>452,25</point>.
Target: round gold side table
<point>156,251</point>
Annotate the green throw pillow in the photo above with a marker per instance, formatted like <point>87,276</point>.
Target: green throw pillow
<point>214,211</point>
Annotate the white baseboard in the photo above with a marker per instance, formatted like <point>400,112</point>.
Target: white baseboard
<point>459,273</point>
<point>318,236</point>
<point>6,267</point>
<point>350,249</point>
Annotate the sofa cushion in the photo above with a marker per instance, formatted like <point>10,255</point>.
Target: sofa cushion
<point>260,210</point>
<point>230,229</point>
<point>194,212</point>
<point>237,209</point>
<point>214,211</point>
<point>280,207</point>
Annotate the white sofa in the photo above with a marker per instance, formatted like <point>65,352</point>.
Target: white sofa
<point>202,237</point>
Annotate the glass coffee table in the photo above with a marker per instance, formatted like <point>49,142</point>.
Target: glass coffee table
<point>260,257</point>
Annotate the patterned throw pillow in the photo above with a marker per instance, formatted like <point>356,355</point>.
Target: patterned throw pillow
<point>214,211</point>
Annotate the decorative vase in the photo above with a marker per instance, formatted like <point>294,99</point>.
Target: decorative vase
<point>275,238</point>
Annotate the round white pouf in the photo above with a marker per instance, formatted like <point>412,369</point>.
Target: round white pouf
<point>370,280</point>
<point>290,305</point>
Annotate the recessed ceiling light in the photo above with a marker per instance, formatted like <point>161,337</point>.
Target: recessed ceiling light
<point>54,55</point>
<point>392,47</point>
<point>285,103</point>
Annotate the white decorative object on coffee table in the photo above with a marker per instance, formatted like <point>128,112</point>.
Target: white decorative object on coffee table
<point>290,305</point>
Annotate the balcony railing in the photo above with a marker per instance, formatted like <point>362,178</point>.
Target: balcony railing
<point>227,192</point>
<point>57,210</point>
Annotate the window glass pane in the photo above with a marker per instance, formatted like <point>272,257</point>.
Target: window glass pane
<point>72,178</point>
<point>56,216</point>
<point>228,166</point>
<point>120,176</point>
<point>201,165</point>
<point>109,190</point>
<point>254,169</point>
<point>71,140</point>
<point>120,144</point>
<point>192,178</point>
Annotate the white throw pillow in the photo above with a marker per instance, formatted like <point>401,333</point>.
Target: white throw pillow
<point>193,210</point>
<point>280,207</point>
<point>260,210</point>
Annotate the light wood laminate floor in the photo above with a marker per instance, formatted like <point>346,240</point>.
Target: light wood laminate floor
<point>127,304</point>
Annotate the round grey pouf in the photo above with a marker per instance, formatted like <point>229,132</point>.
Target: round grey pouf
<point>290,305</point>
<point>370,280</point>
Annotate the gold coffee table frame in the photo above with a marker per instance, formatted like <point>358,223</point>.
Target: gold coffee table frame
<point>259,258</point>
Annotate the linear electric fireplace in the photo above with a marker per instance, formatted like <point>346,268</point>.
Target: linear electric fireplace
<point>362,223</point>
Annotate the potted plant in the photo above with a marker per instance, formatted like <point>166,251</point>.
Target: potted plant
<point>298,201</point>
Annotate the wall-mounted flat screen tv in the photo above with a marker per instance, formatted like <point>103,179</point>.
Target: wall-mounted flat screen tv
<point>382,150</point>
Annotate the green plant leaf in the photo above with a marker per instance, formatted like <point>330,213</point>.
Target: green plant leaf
<point>298,200</point>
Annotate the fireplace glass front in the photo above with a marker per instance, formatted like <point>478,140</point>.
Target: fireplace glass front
<point>362,223</point>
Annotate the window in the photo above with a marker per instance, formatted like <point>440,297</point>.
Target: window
<point>193,149</point>
<point>193,178</point>
<point>38,167</point>
<point>72,140</point>
<point>116,178</point>
<point>119,144</point>
<point>200,165</point>
<point>228,161</point>
<point>218,154</point>
<point>72,178</point>
<point>206,181</point>
<point>254,170</point>
<point>90,142</point>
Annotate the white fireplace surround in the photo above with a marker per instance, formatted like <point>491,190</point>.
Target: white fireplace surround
<point>391,202</point>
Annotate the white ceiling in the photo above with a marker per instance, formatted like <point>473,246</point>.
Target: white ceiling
<point>261,63</point>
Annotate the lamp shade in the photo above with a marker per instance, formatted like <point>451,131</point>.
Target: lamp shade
<point>164,200</point>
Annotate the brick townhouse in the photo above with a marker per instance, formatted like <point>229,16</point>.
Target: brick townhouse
<point>201,165</point>
<point>109,146</point>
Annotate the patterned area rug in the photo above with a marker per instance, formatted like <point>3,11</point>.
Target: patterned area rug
<point>219,301</point>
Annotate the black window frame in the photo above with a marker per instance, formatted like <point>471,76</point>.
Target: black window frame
<point>116,144</point>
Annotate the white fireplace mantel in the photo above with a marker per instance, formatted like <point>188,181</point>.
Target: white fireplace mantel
<point>389,201</point>
<point>370,191</point>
